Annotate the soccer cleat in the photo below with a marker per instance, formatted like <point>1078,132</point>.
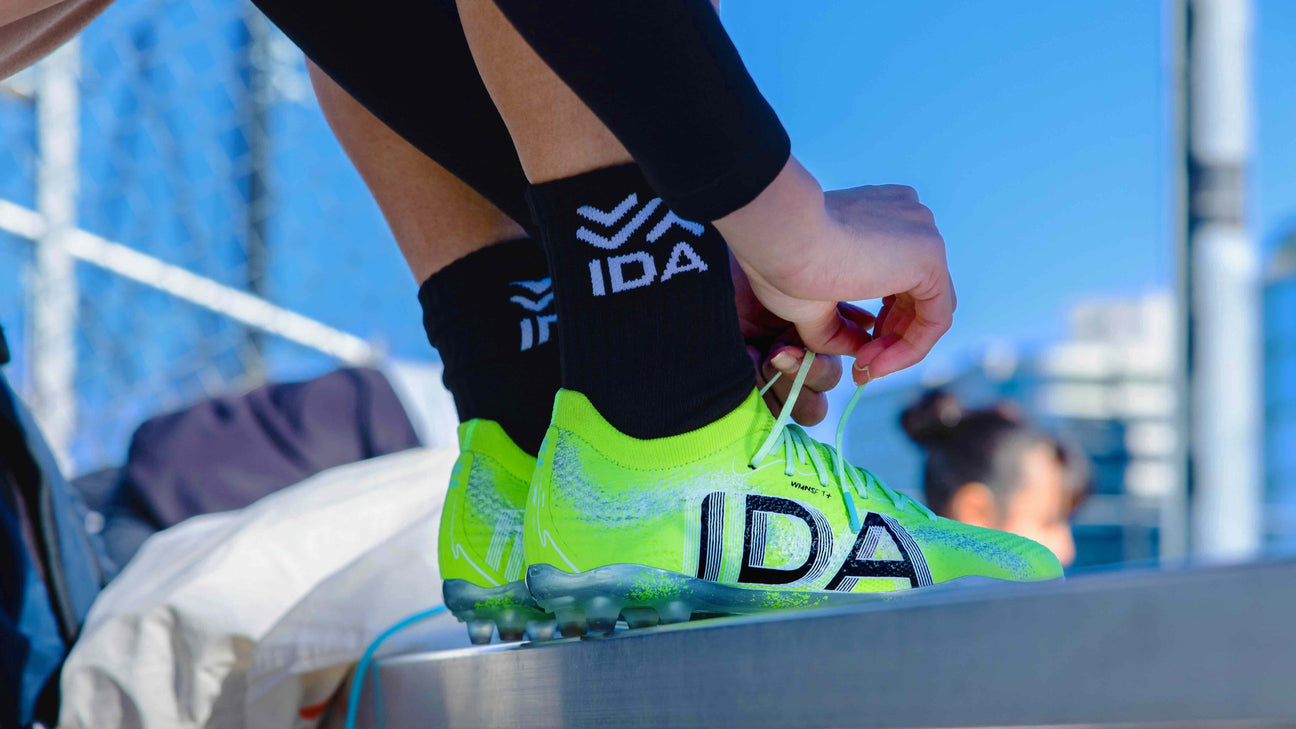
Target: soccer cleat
<point>744,515</point>
<point>480,543</point>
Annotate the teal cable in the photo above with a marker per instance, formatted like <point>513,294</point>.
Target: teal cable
<point>357,679</point>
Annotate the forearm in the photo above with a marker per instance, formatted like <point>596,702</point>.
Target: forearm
<point>669,84</point>
<point>769,234</point>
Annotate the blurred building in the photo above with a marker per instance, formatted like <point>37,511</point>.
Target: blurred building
<point>1110,387</point>
<point>1107,388</point>
<point>1280,395</point>
<point>187,132</point>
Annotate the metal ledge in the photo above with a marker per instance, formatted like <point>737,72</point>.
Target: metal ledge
<point>1200,646</point>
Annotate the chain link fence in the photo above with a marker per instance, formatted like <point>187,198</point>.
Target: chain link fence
<point>179,221</point>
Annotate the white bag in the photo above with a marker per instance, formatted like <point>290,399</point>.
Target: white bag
<point>300,663</point>
<point>293,587</point>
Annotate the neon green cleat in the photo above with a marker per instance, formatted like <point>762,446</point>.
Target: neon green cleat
<point>743,515</point>
<point>479,547</point>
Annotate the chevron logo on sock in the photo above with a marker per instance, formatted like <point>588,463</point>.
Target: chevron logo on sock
<point>535,330</point>
<point>636,269</point>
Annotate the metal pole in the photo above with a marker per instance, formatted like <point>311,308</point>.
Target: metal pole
<point>233,303</point>
<point>1224,351</point>
<point>259,99</point>
<point>1210,647</point>
<point>53,292</point>
<point>1173,522</point>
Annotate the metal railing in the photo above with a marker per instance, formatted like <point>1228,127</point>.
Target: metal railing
<point>1206,646</point>
<point>140,283</point>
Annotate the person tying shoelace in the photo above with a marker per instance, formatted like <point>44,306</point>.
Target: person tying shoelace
<point>604,218</point>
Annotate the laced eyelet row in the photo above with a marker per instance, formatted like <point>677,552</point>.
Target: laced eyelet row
<point>799,446</point>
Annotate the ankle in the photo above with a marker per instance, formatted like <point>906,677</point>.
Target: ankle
<point>576,417</point>
<point>650,333</point>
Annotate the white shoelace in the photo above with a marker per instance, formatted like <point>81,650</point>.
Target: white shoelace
<point>798,445</point>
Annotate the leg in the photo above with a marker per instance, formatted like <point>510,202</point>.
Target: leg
<point>409,65</point>
<point>665,79</point>
<point>436,218</point>
<point>650,332</point>
<point>469,256</point>
<point>534,102</point>
<point>487,310</point>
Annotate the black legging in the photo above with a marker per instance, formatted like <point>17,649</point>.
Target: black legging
<point>663,76</point>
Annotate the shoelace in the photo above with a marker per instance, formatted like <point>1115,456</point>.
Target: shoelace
<point>798,444</point>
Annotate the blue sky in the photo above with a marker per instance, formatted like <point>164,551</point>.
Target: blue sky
<point>1036,132</point>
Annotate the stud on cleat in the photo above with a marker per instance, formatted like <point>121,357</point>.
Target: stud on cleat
<point>640,617</point>
<point>511,635</point>
<point>674,612</point>
<point>508,607</point>
<point>538,630</point>
<point>511,624</point>
<point>571,623</point>
<point>601,615</point>
<point>479,631</point>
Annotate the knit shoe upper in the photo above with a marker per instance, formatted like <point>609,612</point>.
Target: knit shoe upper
<point>745,503</point>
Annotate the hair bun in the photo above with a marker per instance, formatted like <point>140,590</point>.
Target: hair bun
<point>933,418</point>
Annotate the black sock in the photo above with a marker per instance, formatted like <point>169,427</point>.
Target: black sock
<point>650,334</point>
<point>491,316</point>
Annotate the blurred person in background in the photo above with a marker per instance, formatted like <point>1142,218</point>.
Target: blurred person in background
<point>991,468</point>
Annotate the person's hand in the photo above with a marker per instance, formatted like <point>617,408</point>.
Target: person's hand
<point>804,251</point>
<point>775,347</point>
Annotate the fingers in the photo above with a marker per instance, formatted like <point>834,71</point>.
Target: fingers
<point>883,315</point>
<point>901,192</point>
<point>829,331</point>
<point>771,398</point>
<point>810,408</point>
<point>912,328</point>
<point>812,403</point>
<point>874,241</point>
<point>856,315</point>
<point>825,372</point>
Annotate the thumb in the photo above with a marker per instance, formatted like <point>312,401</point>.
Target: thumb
<point>828,331</point>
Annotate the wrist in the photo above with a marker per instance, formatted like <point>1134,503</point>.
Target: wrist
<point>769,234</point>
